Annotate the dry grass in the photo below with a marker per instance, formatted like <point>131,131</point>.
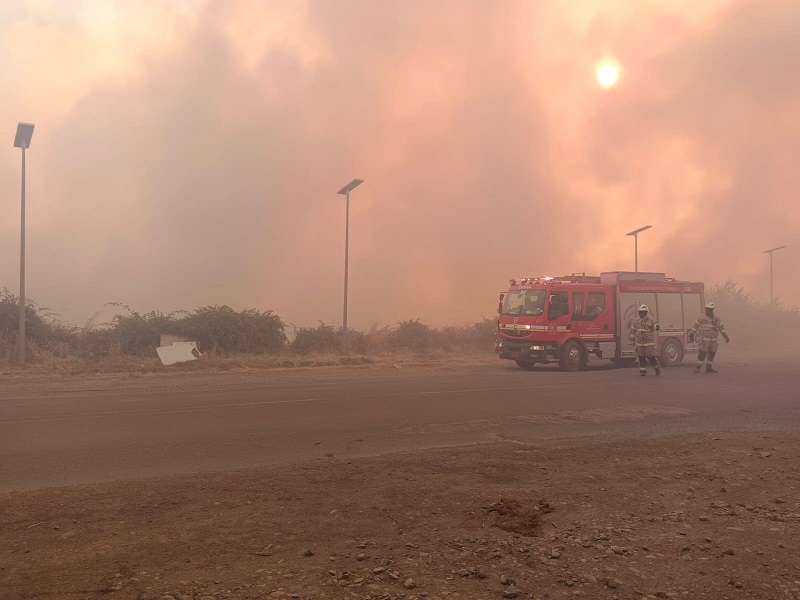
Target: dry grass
<point>72,366</point>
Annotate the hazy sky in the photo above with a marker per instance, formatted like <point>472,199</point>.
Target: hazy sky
<point>187,152</point>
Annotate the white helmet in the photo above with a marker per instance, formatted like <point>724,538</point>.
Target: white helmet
<point>710,305</point>
<point>643,308</point>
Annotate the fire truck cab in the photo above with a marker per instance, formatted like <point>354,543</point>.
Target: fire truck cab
<point>570,320</point>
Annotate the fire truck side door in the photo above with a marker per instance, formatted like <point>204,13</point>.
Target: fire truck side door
<point>594,322</point>
<point>559,311</point>
<point>579,318</point>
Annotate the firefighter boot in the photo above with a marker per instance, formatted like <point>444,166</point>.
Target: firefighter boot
<point>658,371</point>
<point>710,369</point>
<point>701,360</point>
<point>643,372</point>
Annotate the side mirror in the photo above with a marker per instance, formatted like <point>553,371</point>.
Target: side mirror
<point>500,304</point>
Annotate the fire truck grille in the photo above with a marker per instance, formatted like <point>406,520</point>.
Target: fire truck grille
<point>517,333</point>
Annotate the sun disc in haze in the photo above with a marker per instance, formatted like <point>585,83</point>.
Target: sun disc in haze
<point>607,75</point>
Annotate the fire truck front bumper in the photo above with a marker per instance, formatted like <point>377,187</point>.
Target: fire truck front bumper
<point>539,352</point>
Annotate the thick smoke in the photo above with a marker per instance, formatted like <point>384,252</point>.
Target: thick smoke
<point>190,155</point>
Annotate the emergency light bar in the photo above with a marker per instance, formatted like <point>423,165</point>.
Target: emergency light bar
<point>574,278</point>
<point>530,280</point>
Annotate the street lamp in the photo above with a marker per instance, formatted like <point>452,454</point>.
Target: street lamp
<point>345,191</point>
<point>22,140</point>
<point>635,233</point>
<point>771,252</point>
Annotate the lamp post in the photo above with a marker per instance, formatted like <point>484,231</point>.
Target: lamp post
<point>22,140</point>
<point>345,191</point>
<point>771,252</point>
<point>635,233</point>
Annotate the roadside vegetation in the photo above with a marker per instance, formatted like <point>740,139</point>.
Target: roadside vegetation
<point>752,322</point>
<point>233,335</point>
<point>220,331</point>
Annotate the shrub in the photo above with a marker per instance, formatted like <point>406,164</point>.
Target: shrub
<point>138,334</point>
<point>222,329</point>
<point>411,335</point>
<point>215,328</point>
<point>750,321</point>
<point>42,330</point>
<point>325,339</point>
<point>377,339</point>
<point>475,337</point>
<point>317,340</point>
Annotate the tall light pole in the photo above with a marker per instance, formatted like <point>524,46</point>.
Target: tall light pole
<point>345,191</point>
<point>771,252</point>
<point>22,140</point>
<point>635,233</point>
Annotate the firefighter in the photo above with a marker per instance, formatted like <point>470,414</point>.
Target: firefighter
<point>705,332</point>
<point>643,335</point>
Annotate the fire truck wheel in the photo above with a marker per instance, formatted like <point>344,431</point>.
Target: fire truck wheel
<point>573,357</point>
<point>671,352</point>
<point>526,364</point>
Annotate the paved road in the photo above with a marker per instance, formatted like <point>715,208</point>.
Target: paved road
<point>73,436</point>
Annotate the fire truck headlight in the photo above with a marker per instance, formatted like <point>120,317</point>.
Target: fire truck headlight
<point>500,345</point>
<point>537,347</point>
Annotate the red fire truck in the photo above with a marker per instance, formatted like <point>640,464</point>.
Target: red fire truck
<point>570,320</point>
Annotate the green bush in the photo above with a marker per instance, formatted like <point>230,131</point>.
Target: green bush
<point>222,329</point>
<point>128,333</point>
<point>411,335</point>
<point>42,330</point>
<point>326,339</point>
<point>317,340</point>
<point>215,328</point>
<point>138,334</point>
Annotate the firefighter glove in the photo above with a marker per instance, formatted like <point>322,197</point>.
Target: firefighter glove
<point>727,339</point>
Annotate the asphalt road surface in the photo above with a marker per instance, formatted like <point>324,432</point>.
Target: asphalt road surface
<point>66,436</point>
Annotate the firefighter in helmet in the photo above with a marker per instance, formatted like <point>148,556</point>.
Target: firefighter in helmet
<point>643,335</point>
<point>705,332</point>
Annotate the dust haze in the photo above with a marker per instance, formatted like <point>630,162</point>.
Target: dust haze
<point>188,153</point>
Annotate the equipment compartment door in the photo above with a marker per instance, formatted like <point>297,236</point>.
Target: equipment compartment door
<point>670,313</point>
<point>692,309</point>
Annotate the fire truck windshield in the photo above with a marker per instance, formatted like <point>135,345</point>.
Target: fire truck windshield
<point>524,302</point>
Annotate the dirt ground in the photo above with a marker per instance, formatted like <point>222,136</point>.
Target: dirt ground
<point>711,515</point>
